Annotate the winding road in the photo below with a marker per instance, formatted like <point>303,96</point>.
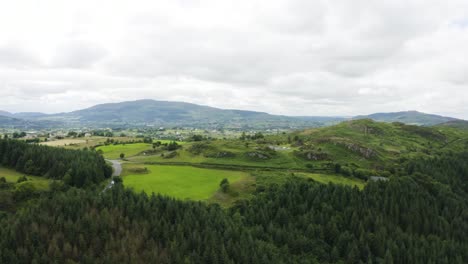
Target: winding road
<point>117,170</point>
<point>117,167</point>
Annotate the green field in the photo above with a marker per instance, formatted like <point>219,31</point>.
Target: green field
<point>12,176</point>
<point>182,182</point>
<point>113,151</point>
<point>328,178</point>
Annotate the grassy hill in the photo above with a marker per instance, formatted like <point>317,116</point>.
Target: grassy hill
<point>348,153</point>
<point>376,147</point>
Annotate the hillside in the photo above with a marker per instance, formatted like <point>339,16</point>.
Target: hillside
<point>376,145</point>
<point>303,197</point>
<point>22,115</point>
<point>408,117</point>
<point>459,124</point>
<point>10,122</point>
<point>5,113</point>
<point>16,123</point>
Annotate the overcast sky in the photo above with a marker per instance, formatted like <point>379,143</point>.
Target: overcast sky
<point>283,57</point>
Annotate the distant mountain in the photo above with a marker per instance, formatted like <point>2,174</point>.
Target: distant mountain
<point>28,115</point>
<point>16,123</point>
<point>5,113</point>
<point>164,113</point>
<point>142,113</point>
<point>409,117</point>
<point>7,121</point>
<point>23,115</point>
<point>327,119</point>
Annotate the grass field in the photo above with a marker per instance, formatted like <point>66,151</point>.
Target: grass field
<point>238,158</point>
<point>182,182</point>
<point>113,151</point>
<point>328,178</point>
<point>130,150</point>
<point>12,176</point>
<point>80,143</point>
<point>63,142</point>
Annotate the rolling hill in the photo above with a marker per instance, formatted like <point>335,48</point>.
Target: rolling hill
<point>460,124</point>
<point>368,144</point>
<point>163,113</point>
<point>143,113</point>
<point>409,117</point>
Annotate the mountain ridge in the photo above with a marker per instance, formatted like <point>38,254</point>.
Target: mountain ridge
<point>408,117</point>
<point>148,112</point>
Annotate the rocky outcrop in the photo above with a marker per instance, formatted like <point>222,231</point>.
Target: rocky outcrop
<point>312,155</point>
<point>316,156</point>
<point>367,153</point>
<point>257,155</point>
<point>364,152</point>
<point>220,154</point>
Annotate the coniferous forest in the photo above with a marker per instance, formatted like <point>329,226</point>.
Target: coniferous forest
<point>420,216</point>
<point>75,167</point>
<point>234,132</point>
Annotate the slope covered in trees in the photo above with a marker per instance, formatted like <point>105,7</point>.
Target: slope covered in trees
<point>76,167</point>
<point>410,219</point>
<point>419,216</point>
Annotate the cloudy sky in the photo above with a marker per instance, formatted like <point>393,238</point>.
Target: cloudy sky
<point>330,57</point>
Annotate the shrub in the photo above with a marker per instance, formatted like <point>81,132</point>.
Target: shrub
<point>224,185</point>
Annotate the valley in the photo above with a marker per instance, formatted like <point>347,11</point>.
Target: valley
<point>350,181</point>
<point>234,132</point>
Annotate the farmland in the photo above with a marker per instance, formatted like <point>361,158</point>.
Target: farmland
<point>64,142</point>
<point>114,151</point>
<point>182,182</point>
<point>79,143</point>
<point>12,176</point>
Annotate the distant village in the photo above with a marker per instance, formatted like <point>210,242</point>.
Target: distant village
<point>176,133</point>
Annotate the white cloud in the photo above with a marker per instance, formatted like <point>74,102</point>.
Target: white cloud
<point>299,57</point>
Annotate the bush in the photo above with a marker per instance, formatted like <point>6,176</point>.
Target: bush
<point>57,186</point>
<point>337,168</point>
<point>118,180</point>
<point>224,185</point>
<point>171,155</point>
<point>363,174</point>
<point>24,191</point>
<point>198,148</point>
<point>346,171</point>
<point>172,146</point>
<point>197,138</point>
<point>22,179</point>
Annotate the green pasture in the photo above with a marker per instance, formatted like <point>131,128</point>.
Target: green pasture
<point>182,182</point>
<point>114,151</point>
<point>13,176</point>
<point>330,178</point>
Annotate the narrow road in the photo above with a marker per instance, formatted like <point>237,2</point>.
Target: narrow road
<point>117,167</point>
<point>117,170</point>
